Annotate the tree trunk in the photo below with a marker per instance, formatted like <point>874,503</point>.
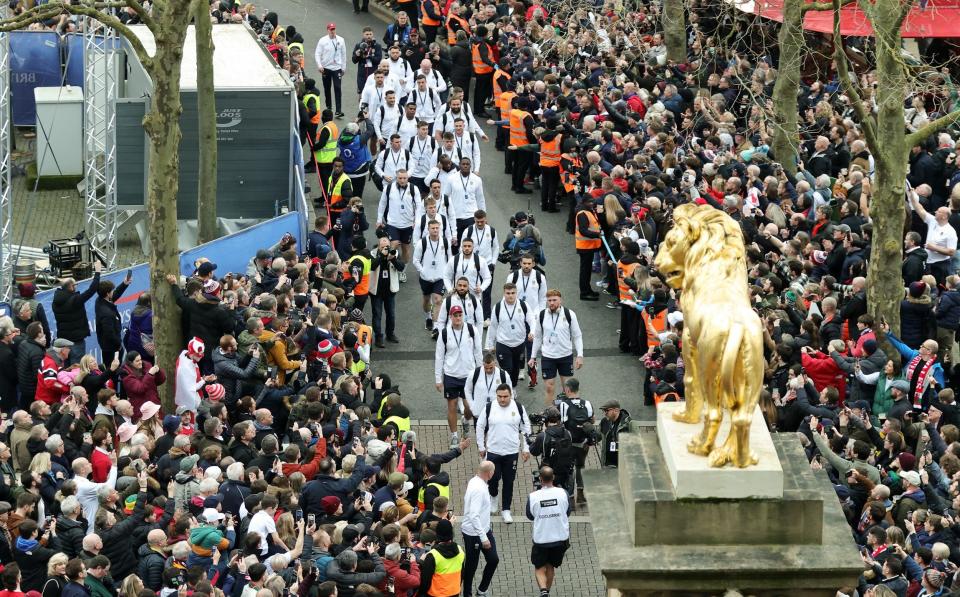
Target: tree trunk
<point>885,287</point>
<point>162,124</point>
<point>787,86</point>
<point>207,126</point>
<point>674,22</point>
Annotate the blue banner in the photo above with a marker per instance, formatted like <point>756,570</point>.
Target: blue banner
<point>73,57</point>
<point>230,253</point>
<point>34,62</point>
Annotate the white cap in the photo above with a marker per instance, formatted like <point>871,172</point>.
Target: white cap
<point>211,515</point>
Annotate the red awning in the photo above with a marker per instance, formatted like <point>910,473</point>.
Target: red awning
<point>939,18</point>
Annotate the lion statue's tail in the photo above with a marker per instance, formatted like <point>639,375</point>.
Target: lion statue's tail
<point>735,353</point>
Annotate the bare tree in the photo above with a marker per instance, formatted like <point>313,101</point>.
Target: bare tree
<point>207,125</point>
<point>167,21</point>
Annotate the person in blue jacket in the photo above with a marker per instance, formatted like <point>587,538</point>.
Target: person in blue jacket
<point>921,369</point>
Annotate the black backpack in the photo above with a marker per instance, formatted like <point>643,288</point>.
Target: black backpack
<point>504,378</point>
<point>423,245</point>
<point>566,313</point>
<point>577,417</point>
<point>449,303</point>
<point>476,264</point>
<point>558,452</point>
<point>468,233</point>
<point>519,410</point>
<point>444,333</point>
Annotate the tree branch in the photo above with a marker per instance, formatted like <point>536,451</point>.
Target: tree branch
<point>90,9</point>
<point>843,73</point>
<point>822,6</point>
<point>917,137</point>
<point>905,9</point>
<point>115,23</point>
<point>145,17</point>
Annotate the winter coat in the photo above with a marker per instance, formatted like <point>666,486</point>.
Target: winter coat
<point>882,399</point>
<point>33,564</point>
<point>348,580</point>
<point>108,323</point>
<point>325,485</point>
<point>71,533</point>
<point>8,374</point>
<point>917,322</point>
<point>403,581</point>
<point>185,487</point>
<point>71,313</point>
<point>948,310</point>
<point>49,389</point>
<point>29,359</point>
<point>140,387</point>
<point>117,540</point>
<point>824,371</point>
<point>208,320</point>
<point>233,492</point>
<point>230,374</point>
<point>141,324</point>
<point>151,566</point>
<point>868,364</point>
<point>914,264</point>
<point>73,589</point>
<point>277,355</point>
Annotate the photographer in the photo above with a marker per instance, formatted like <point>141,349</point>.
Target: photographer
<point>384,285</point>
<point>615,420</point>
<point>555,445</point>
<point>367,54</point>
<point>576,414</point>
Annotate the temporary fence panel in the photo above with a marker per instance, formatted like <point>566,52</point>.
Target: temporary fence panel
<point>34,62</point>
<point>230,253</point>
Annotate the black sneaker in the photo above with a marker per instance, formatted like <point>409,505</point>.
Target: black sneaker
<point>393,339</point>
<point>435,334</point>
<point>379,343</point>
<point>339,114</point>
<point>589,297</point>
<point>428,324</point>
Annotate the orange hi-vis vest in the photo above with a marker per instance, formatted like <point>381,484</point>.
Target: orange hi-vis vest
<point>582,242</point>
<point>451,32</point>
<point>671,396</point>
<point>569,176</point>
<point>550,153</point>
<point>624,271</point>
<point>518,130</point>
<point>500,75</point>
<point>506,98</point>
<point>479,66</point>
<point>655,325</point>
<point>446,574</point>
<point>424,18</point>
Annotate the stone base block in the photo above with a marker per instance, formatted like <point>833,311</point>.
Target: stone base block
<point>799,544</point>
<point>693,477</point>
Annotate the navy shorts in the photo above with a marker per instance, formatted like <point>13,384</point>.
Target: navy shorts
<point>404,235</point>
<point>436,287</point>
<point>549,367</point>
<point>453,387</point>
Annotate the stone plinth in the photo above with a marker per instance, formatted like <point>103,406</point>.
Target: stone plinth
<point>693,477</point>
<point>797,544</point>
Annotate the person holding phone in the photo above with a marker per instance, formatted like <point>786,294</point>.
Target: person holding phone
<point>107,316</point>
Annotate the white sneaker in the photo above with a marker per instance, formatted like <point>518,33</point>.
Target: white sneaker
<point>454,440</point>
<point>507,518</point>
<point>486,323</point>
<point>493,506</point>
<point>486,593</point>
<point>520,376</point>
<point>403,276</point>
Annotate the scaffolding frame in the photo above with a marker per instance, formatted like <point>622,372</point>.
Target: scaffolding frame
<point>101,89</point>
<point>6,171</point>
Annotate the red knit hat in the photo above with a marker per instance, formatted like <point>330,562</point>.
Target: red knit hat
<point>215,392</point>
<point>196,347</point>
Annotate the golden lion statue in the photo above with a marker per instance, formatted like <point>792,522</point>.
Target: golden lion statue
<point>704,257</point>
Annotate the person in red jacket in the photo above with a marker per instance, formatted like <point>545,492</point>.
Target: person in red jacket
<point>403,572</point>
<point>823,370</point>
<point>49,389</point>
<point>291,457</point>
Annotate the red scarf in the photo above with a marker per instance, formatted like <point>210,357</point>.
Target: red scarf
<point>924,372</point>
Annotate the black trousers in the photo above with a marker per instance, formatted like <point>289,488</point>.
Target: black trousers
<point>521,164</point>
<point>411,9</point>
<point>462,84</point>
<point>473,547</point>
<point>586,269</point>
<point>549,186</point>
<point>629,329</point>
<point>488,294</point>
<point>482,91</point>
<point>511,359</point>
<point>357,6</point>
<point>332,77</point>
<point>506,470</point>
<point>430,32</point>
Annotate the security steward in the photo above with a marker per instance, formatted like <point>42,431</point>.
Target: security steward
<point>436,483</point>
<point>432,18</point>
<point>549,509</point>
<point>358,271</point>
<point>587,239</point>
<point>570,167</point>
<point>521,133</point>
<point>325,145</point>
<point>550,143</point>
<point>311,106</point>
<point>483,67</point>
<point>339,189</point>
<point>442,568</point>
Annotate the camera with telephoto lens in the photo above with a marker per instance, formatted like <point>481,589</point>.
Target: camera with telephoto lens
<point>537,419</point>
